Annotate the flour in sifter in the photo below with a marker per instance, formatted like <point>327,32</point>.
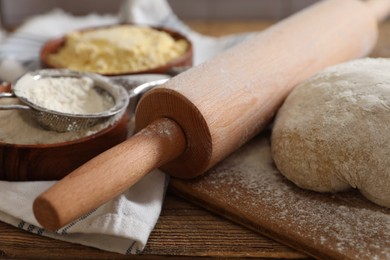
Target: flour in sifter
<point>61,94</point>
<point>64,94</point>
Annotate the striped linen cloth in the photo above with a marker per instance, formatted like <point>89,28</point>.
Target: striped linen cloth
<point>123,224</point>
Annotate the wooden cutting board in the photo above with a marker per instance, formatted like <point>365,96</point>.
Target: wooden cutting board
<point>248,189</point>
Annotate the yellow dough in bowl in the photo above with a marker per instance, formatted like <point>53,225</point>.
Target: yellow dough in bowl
<point>118,49</point>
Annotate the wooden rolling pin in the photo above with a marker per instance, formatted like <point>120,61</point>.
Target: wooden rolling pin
<point>199,117</point>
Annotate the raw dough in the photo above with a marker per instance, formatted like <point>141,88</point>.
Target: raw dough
<point>333,131</point>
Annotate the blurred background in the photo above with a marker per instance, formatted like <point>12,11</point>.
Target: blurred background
<point>13,12</point>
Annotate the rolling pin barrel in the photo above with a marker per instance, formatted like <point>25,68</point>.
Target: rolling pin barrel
<point>212,109</point>
<point>229,99</point>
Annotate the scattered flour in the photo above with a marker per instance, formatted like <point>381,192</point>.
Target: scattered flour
<point>163,128</point>
<point>248,186</point>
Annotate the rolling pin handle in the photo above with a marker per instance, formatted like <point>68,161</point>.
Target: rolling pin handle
<point>109,174</point>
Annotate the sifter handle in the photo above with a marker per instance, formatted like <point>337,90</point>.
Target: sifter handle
<point>12,106</point>
<point>109,174</point>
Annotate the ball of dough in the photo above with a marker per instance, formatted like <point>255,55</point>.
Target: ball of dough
<point>333,131</point>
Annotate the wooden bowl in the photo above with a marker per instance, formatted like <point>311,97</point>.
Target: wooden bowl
<point>185,60</point>
<point>54,161</point>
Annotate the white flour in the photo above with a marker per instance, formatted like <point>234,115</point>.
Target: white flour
<point>64,94</point>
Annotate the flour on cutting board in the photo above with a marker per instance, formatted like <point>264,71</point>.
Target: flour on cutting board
<point>248,185</point>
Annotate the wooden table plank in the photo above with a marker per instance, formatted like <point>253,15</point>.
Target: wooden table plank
<point>183,230</point>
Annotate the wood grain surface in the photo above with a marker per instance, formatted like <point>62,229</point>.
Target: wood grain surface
<point>217,106</point>
<point>176,233</point>
<point>187,230</point>
<point>327,226</point>
<point>247,188</point>
<point>183,230</point>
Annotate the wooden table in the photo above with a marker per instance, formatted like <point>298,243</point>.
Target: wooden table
<point>183,230</point>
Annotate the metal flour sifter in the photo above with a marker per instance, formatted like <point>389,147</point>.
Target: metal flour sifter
<point>64,122</point>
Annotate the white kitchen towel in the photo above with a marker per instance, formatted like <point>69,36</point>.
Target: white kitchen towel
<point>123,224</point>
